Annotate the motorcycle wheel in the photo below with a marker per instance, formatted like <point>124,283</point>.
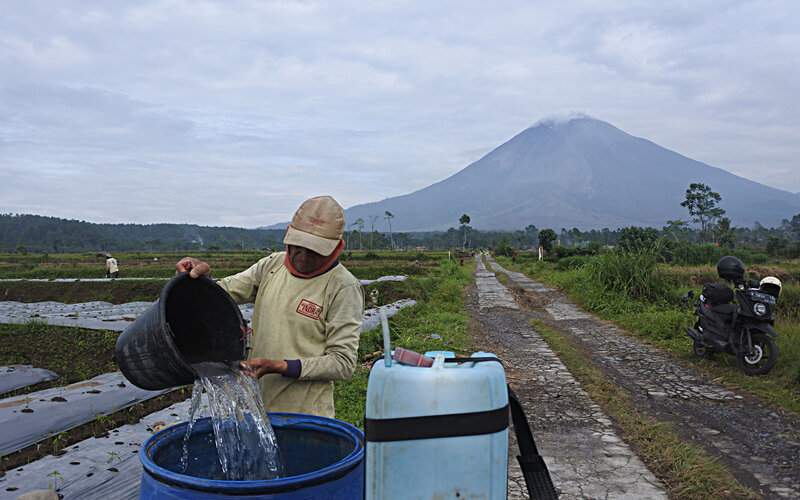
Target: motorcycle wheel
<point>762,359</point>
<point>701,351</point>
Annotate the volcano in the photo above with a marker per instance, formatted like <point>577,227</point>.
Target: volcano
<point>583,173</point>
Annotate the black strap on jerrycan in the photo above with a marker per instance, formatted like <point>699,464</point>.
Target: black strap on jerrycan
<point>534,469</point>
<point>194,320</point>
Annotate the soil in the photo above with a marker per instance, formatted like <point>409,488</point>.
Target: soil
<point>75,354</point>
<point>123,291</point>
<point>56,348</point>
<point>75,292</point>
<point>96,428</point>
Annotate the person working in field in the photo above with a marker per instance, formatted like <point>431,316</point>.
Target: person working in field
<point>112,270</point>
<point>308,312</point>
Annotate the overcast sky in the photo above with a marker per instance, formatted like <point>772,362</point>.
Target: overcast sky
<point>233,112</point>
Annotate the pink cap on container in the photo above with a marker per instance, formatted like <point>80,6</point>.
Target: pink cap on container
<point>412,358</point>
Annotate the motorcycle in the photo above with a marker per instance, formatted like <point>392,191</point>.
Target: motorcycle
<point>745,329</point>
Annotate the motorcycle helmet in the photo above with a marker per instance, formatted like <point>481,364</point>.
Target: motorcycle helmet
<point>770,285</point>
<point>730,268</point>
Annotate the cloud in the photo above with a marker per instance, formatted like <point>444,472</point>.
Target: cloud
<point>233,112</point>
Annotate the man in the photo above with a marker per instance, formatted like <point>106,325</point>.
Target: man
<point>112,270</point>
<point>308,312</point>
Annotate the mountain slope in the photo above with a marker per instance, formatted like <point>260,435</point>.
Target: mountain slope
<point>581,173</point>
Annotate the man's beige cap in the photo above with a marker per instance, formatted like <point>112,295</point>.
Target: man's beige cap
<point>317,225</point>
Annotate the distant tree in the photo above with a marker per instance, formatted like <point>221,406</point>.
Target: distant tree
<point>726,234</point>
<point>702,202</point>
<point>520,237</point>
<point>546,238</point>
<point>776,245</point>
<point>794,227</point>
<point>678,225</point>
<point>505,248</point>
<point>760,233</point>
<point>359,223</point>
<point>574,235</point>
<point>372,219</point>
<point>464,220</point>
<point>389,216</point>
<point>637,238</point>
<point>532,233</point>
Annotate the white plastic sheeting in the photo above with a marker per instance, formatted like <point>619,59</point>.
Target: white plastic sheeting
<point>96,468</point>
<point>15,377</point>
<point>92,315</point>
<point>103,315</point>
<point>33,417</point>
<point>372,319</point>
<point>384,278</point>
<point>106,316</point>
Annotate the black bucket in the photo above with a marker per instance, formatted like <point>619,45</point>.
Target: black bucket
<point>194,320</point>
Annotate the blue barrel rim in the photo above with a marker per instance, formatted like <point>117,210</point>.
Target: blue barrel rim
<point>326,474</point>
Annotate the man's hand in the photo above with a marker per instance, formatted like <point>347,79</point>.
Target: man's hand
<point>196,267</point>
<point>258,367</point>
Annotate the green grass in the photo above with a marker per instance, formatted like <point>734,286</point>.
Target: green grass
<point>364,265</point>
<point>439,310</point>
<point>657,316</point>
<point>75,354</point>
<point>688,471</point>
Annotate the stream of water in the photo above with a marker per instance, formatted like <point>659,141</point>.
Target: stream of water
<point>244,438</point>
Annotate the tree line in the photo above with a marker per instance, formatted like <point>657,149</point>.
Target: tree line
<point>23,233</point>
<point>40,234</point>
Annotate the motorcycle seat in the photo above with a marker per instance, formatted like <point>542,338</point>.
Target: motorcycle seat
<point>724,309</point>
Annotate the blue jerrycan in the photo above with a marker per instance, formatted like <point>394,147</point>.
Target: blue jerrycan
<point>436,432</point>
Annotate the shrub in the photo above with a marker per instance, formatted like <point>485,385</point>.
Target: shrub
<point>637,238</point>
<point>633,273</point>
<point>562,252</point>
<point>686,254</point>
<point>572,262</point>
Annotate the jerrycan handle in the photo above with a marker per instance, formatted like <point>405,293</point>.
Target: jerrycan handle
<point>438,362</point>
<point>387,344</point>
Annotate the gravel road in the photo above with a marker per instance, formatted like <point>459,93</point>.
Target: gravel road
<point>757,442</point>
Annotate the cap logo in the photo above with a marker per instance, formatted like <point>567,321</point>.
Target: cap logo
<point>316,222</point>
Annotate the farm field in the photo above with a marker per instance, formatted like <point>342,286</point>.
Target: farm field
<point>364,265</point>
<point>439,321</point>
<point>78,354</point>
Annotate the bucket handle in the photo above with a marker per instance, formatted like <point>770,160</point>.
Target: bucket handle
<point>387,344</point>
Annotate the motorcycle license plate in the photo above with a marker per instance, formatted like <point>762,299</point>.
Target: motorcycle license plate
<point>763,297</point>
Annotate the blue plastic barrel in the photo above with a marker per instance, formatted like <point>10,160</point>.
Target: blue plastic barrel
<point>324,458</point>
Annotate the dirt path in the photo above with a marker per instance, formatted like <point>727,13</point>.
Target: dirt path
<point>579,443</point>
<point>756,442</point>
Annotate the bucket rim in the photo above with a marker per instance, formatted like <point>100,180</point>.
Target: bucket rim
<point>297,420</point>
<point>218,290</point>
